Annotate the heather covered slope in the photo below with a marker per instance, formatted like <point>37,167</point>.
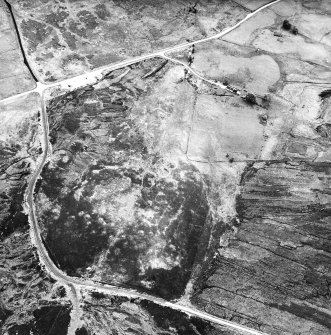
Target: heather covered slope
<point>30,303</point>
<point>119,201</point>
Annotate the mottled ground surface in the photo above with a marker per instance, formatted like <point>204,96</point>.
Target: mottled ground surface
<point>14,76</point>
<point>30,302</point>
<point>65,38</point>
<point>163,182</point>
<point>119,201</point>
<point>273,268</point>
<point>124,316</point>
<point>272,271</point>
<point>19,147</point>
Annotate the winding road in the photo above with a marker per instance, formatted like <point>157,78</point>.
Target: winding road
<point>69,85</point>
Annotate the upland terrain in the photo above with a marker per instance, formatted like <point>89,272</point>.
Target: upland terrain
<point>165,167</point>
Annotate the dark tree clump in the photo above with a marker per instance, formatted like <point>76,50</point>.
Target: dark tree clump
<point>77,147</point>
<point>295,31</point>
<point>325,94</point>
<point>250,98</point>
<point>287,25</point>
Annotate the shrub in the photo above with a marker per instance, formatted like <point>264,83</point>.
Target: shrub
<point>98,295</point>
<point>250,98</point>
<point>287,25</point>
<point>294,30</point>
<point>266,100</point>
<point>77,147</point>
<point>263,119</point>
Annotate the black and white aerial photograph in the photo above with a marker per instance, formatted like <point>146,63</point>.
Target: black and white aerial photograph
<point>165,167</point>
